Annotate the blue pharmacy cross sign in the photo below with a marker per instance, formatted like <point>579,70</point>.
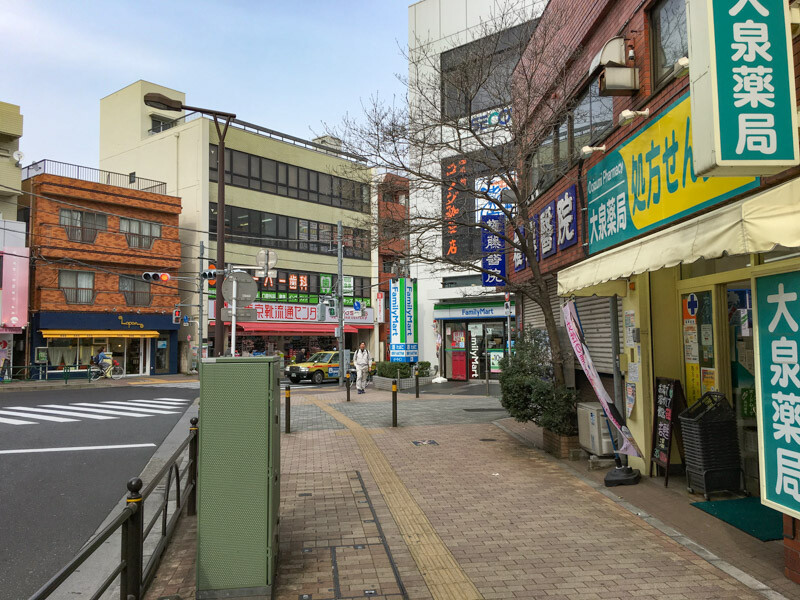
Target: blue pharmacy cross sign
<point>778,381</point>
<point>356,305</point>
<point>692,304</point>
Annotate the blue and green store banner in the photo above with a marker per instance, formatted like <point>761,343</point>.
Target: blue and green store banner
<point>403,335</point>
<point>778,381</point>
<point>649,181</point>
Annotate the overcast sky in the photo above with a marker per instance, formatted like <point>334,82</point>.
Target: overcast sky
<point>288,66</point>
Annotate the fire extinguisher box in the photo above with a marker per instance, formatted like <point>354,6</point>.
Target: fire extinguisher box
<point>238,477</point>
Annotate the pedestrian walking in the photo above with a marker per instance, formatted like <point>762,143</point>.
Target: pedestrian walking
<point>301,356</point>
<point>362,360</point>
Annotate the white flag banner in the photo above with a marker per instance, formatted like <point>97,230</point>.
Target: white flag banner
<point>575,333</point>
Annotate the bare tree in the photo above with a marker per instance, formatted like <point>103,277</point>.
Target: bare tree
<point>477,132</point>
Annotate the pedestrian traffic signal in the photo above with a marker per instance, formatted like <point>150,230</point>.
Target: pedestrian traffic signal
<point>176,316</point>
<point>155,276</point>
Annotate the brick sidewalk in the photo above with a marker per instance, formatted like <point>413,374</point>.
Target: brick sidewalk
<point>367,513</point>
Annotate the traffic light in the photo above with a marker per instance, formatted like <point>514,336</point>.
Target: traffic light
<point>155,276</point>
<point>326,308</point>
<point>176,316</point>
<point>209,275</point>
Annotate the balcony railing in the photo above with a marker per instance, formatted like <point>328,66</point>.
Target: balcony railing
<point>130,181</point>
<point>137,240</point>
<point>78,295</point>
<point>137,298</point>
<point>81,234</point>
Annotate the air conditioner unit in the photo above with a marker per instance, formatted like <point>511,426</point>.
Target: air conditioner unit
<point>593,434</point>
<point>619,81</point>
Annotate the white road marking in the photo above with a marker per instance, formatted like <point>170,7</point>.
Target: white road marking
<point>67,413</point>
<point>75,448</point>
<point>105,409</point>
<point>161,405</point>
<point>19,413</point>
<point>132,407</point>
<point>16,422</point>
<point>177,400</point>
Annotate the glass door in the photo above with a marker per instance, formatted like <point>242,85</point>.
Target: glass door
<point>133,356</point>
<point>162,354</point>
<point>698,344</point>
<point>494,334</point>
<point>455,346</point>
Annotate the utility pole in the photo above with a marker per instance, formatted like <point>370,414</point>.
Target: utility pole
<point>340,301</point>
<point>202,286</point>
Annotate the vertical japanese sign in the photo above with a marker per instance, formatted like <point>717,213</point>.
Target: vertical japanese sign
<point>649,181</point>
<point>325,284</point>
<point>742,86</point>
<point>493,188</point>
<point>566,216</point>
<point>453,205</point>
<point>518,257</point>
<point>403,344</point>
<point>14,312</point>
<point>578,342</point>
<point>778,377</point>
<point>493,248</point>
<point>547,230</point>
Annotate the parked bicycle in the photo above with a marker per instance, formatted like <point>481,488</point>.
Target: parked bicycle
<point>113,370</point>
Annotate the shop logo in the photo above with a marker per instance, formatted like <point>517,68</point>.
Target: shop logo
<point>130,323</point>
<point>692,304</point>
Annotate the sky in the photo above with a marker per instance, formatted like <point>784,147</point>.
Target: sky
<point>288,66</point>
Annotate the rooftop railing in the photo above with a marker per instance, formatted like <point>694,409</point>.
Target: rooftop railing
<point>61,169</point>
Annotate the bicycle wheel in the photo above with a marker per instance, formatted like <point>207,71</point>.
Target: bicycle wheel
<point>94,373</point>
<point>117,372</point>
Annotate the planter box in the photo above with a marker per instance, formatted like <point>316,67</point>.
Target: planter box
<point>559,445</point>
<point>385,383</point>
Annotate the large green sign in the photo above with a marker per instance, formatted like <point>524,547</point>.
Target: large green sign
<point>778,380</point>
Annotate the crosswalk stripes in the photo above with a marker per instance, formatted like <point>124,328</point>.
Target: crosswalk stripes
<point>99,411</point>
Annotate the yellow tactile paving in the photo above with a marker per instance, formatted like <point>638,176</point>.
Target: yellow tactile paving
<point>444,577</point>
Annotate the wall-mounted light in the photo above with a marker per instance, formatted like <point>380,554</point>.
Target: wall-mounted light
<point>681,67</point>
<point>587,151</point>
<point>627,117</point>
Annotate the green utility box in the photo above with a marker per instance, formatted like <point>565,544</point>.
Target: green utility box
<point>238,478</point>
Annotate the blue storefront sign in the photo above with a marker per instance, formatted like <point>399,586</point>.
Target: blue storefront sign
<point>778,380</point>
<point>493,247</point>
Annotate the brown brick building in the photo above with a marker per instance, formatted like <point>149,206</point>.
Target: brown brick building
<point>91,244</point>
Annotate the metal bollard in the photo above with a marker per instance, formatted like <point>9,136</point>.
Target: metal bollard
<point>191,508</point>
<point>394,402</point>
<point>347,384</point>
<point>132,533</point>
<point>288,408</point>
<point>67,370</point>
<point>416,380</point>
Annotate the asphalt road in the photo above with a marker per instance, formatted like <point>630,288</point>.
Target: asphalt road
<point>52,502</point>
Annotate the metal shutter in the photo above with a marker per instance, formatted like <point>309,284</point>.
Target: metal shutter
<point>532,315</point>
<point>596,322</point>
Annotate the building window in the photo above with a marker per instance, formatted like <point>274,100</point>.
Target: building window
<point>140,234</point>
<point>136,291</point>
<point>159,125</point>
<point>592,117</point>
<point>82,226</point>
<point>670,37</point>
<point>462,281</point>
<point>78,286</point>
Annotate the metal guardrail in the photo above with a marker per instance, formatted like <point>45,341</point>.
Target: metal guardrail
<point>135,575</point>
<point>130,181</point>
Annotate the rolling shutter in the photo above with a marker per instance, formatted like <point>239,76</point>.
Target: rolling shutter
<point>532,315</point>
<point>596,322</point>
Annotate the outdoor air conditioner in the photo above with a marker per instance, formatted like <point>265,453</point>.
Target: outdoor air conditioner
<point>619,81</point>
<point>593,434</point>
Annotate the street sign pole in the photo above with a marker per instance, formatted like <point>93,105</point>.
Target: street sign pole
<point>233,320</point>
<point>202,286</point>
<point>339,295</point>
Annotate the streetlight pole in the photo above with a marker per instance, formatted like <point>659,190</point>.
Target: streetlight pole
<point>162,102</point>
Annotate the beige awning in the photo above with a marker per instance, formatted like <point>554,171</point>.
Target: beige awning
<point>755,224</point>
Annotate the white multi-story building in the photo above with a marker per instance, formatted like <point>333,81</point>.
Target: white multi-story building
<point>462,326</point>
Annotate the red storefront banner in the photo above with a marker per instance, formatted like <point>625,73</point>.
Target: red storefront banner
<point>16,264</point>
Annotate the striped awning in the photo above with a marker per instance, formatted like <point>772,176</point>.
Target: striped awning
<point>98,333</point>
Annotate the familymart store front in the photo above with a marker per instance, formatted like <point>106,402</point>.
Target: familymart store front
<point>66,342</point>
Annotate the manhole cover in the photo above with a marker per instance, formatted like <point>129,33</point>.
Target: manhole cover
<point>425,443</point>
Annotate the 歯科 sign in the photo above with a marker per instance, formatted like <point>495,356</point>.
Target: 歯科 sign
<point>493,248</point>
<point>403,338</point>
<point>741,74</point>
<point>778,381</point>
<point>649,181</point>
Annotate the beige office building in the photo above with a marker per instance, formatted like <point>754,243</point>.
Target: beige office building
<point>281,192</point>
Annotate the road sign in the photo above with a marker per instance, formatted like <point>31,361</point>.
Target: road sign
<point>242,314</point>
<point>246,288</point>
<point>356,305</point>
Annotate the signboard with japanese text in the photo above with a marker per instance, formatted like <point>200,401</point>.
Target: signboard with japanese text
<point>380,308</point>
<point>15,269</point>
<point>547,230</point>
<point>649,181</point>
<point>347,285</point>
<point>778,381</point>
<point>455,208</point>
<point>326,284</point>
<point>566,219</point>
<point>301,313</point>
<point>493,248</point>
<point>743,88</point>
<point>403,338</point>
<point>518,257</point>
<point>494,189</point>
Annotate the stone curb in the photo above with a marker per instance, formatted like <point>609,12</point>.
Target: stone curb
<point>739,575</point>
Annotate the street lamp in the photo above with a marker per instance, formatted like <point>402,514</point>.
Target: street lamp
<point>162,102</point>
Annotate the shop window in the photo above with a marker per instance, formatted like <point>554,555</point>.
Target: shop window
<point>670,37</point>
<point>62,352</point>
<point>592,117</point>
<point>140,234</point>
<point>77,286</point>
<point>714,265</point>
<point>136,292</point>
<point>82,226</point>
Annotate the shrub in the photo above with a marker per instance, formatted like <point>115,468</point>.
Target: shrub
<point>528,390</point>
<point>389,369</point>
<point>424,368</point>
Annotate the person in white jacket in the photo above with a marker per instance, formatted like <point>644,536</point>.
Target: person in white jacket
<point>362,360</point>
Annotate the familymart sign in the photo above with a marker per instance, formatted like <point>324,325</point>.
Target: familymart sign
<point>403,338</point>
<point>742,87</point>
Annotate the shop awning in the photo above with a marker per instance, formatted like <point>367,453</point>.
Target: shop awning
<point>293,328</point>
<point>755,224</point>
<point>359,326</point>
<point>98,333</point>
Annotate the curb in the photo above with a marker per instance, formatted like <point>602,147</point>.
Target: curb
<point>735,572</point>
<point>81,384</point>
<point>88,578</point>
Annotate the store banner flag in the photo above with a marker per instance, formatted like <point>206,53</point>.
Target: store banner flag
<point>16,265</point>
<point>778,377</point>
<point>575,333</point>
<point>403,335</point>
<point>494,248</point>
